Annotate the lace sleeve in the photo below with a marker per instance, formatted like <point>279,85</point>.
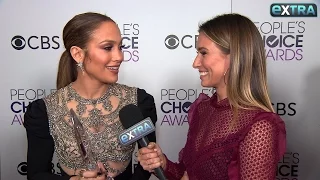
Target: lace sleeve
<point>174,171</point>
<point>259,152</point>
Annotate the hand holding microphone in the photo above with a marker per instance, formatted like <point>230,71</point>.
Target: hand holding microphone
<point>136,129</point>
<point>151,157</point>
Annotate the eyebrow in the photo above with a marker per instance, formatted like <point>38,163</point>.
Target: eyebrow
<point>202,48</point>
<point>107,41</point>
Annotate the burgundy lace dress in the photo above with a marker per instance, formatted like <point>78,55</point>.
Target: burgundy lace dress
<point>250,149</point>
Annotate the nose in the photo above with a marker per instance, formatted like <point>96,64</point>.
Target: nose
<point>118,55</point>
<point>197,62</point>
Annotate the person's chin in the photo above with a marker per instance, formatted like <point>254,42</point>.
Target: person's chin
<point>111,80</point>
<point>205,84</point>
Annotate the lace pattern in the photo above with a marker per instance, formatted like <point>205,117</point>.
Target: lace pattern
<point>249,149</point>
<point>100,118</point>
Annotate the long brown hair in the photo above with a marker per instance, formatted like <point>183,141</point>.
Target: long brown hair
<point>246,85</point>
<point>77,32</point>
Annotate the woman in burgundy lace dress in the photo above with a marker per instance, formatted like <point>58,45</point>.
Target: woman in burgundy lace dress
<point>234,134</point>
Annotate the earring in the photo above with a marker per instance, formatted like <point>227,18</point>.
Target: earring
<point>80,65</point>
<point>224,77</point>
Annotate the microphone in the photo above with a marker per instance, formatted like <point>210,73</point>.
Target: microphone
<point>136,129</point>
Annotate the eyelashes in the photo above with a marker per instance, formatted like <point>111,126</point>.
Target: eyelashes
<point>109,48</point>
<point>202,53</point>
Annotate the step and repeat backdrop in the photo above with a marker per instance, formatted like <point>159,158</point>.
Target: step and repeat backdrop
<point>160,38</point>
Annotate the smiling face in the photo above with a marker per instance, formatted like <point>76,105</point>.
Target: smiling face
<point>211,62</point>
<point>104,53</point>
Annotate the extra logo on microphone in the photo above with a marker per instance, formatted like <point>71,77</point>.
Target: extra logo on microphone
<point>136,132</point>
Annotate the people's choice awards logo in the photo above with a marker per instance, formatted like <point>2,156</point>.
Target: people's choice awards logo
<point>175,104</point>
<point>272,41</point>
<point>35,42</point>
<point>130,38</point>
<point>185,41</point>
<point>288,167</point>
<point>283,40</point>
<point>21,98</point>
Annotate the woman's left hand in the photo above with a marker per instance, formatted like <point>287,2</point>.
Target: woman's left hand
<point>185,176</point>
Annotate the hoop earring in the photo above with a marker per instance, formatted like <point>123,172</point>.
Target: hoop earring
<point>80,65</point>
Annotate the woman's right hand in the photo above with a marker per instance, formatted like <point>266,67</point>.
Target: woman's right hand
<point>151,157</point>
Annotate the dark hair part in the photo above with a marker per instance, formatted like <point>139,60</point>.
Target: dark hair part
<point>77,32</point>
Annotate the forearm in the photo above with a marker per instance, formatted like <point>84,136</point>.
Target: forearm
<point>173,170</point>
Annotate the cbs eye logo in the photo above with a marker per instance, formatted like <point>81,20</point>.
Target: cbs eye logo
<point>18,42</point>
<point>187,41</point>
<point>171,41</point>
<point>35,42</point>
<point>22,168</point>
